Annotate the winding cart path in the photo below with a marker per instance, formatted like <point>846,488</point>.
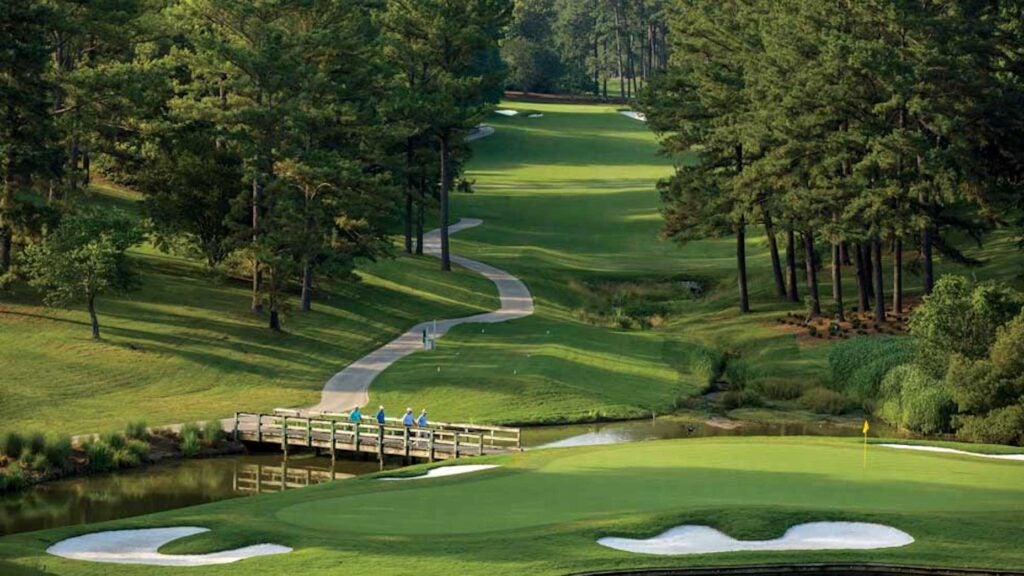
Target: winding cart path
<point>350,386</point>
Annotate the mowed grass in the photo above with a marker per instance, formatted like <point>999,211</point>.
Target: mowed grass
<point>186,346</point>
<point>542,511</point>
<point>571,197</point>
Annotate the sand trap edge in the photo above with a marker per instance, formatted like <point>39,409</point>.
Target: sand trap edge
<point>140,547</point>
<point>943,450</point>
<point>693,539</point>
<point>446,471</point>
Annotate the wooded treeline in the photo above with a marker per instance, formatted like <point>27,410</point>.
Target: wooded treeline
<point>290,135</point>
<point>849,131</point>
<point>579,46</point>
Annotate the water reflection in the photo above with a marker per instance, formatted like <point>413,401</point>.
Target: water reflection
<point>162,487</point>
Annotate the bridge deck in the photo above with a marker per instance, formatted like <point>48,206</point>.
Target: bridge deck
<point>333,432</point>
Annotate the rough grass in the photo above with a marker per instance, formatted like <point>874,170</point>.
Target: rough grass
<point>185,347</point>
<point>541,513</point>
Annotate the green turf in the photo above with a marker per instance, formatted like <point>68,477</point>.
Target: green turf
<point>571,197</point>
<point>186,347</point>
<point>542,512</point>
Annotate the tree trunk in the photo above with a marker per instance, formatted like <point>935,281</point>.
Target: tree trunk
<point>618,48</point>
<point>812,275</point>
<point>868,267</point>
<point>897,276</point>
<point>926,256</point>
<point>876,248</point>
<point>5,248</point>
<point>446,262</point>
<point>275,320</point>
<point>257,272</point>
<point>408,196</point>
<point>837,281</point>
<point>863,276</point>
<point>741,264</point>
<point>773,245</point>
<point>420,217</point>
<point>844,253</point>
<point>307,285</point>
<point>794,291</point>
<point>93,318</point>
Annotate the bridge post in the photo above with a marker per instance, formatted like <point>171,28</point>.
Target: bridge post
<point>309,432</point>
<point>284,436</point>
<point>431,449</point>
<point>407,444</point>
<point>456,444</point>
<point>355,437</point>
<point>334,443</point>
<point>380,442</point>
<point>480,438</point>
<point>234,431</point>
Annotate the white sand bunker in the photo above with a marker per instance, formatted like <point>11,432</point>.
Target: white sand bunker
<point>507,112</point>
<point>140,547</point>
<point>634,115</point>
<point>448,471</point>
<point>941,450</point>
<point>812,536</point>
<point>535,116</point>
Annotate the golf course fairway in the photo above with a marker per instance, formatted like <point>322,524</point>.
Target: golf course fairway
<point>541,512</point>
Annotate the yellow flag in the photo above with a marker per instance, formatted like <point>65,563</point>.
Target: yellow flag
<point>866,427</point>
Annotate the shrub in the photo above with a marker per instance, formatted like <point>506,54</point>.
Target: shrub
<point>138,447</point>
<point>859,365</point>
<point>1001,426</point>
<point>36,443</point>
<point>100,456</point>
<point>824,401</point>
<point>213,432</point>
<point>125,458</point>
<point>12,479</point>
<point>115,440</point>
<point>779,388</point>
<point>13,445</point>
<point>190,443</point>
<point>38,462</point>
<point>734,399</point>
<point>136,431</point>
<point>58,452</point>
<point>926,404</point>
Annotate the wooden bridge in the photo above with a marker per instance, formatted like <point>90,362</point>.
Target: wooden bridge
<point>259,478</point>
<point>335,433</point>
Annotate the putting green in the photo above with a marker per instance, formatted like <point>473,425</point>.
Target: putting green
<point>542,512</point>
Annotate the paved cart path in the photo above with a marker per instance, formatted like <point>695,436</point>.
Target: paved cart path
<point>350,386</point>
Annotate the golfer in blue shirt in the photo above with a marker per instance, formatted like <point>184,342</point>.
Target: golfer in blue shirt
<point>380,416</point>
<point>408,420</point>
<point>356,415</point>
<point>422,420</point>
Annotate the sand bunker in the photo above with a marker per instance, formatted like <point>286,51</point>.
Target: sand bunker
<point>634,115</point>
<point>507,112</point>
<point>535,116</point>
<point>448,471</point>
<point>140,547</point>
<point>812,536</point>
<point>939,449</point>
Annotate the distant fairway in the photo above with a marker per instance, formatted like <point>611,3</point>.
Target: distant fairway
<point>542,511</point>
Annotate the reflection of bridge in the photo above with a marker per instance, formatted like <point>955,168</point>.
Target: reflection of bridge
<point>258,478</point>
<point>335,433</point>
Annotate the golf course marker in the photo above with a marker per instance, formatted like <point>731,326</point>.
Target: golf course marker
<point>140,547</point>
<point>812,536</point>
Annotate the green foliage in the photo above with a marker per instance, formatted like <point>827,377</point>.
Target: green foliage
<point>12,479</point>
<point>745,398</point>
<point>779,388</point>
<point>100,456</point>
<point>36,443</point>
<point>191,440</point>
<point>58,452</point>
<point>84,258</point>
<point>212,432</point>
<point>825,401</point>
<point>124,458</point>
<point>140,448</point>
<point>136,430</point>
<point>913,400</point>
<point>13,445</point>
<point>960,317</point>
<point>1000,426</point>
<point>114,439</point>
<point>859,365</point>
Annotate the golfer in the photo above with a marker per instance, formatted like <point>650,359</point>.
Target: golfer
<point>408,420</point>
<point>380,416</point>
<point>356,415</point>
<point>422,420</point>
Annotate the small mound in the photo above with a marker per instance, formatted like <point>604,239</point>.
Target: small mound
<point>507,112</point>
<point>941,450</point>
<point>634,115</point>
<point>447,471</point>
<point>140,547</point>
<point>813,536</point>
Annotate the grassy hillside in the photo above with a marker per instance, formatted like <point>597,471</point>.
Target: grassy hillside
<point>542,512</point>
<point>186,347</point>
<point>570,206</point>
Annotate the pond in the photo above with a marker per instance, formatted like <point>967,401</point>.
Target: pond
<point>168,486</point>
